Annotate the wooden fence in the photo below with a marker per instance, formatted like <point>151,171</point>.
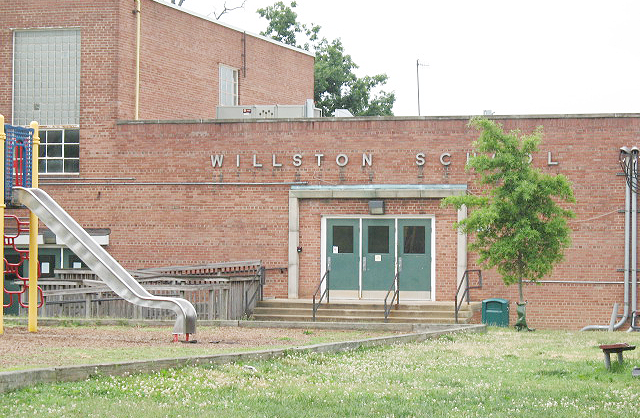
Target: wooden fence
<point>217,291</point>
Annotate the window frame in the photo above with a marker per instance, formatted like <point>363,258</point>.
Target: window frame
<point>43,160</point>
<point>223,82</point>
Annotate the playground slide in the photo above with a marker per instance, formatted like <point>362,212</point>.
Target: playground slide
<point>100,261</point>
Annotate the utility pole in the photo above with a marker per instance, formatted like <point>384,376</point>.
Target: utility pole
<point>418,65</point>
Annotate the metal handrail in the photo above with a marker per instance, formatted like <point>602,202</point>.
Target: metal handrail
<point>466,293</point>
<point>315,294</point>
<point>396,296</point>
<point>257,294</point>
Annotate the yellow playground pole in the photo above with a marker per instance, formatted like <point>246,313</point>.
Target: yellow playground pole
<point>33,237</point>
<point>3,137</point>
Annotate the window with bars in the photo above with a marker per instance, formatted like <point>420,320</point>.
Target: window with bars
<point>59,151</point>
<point>228,86</point>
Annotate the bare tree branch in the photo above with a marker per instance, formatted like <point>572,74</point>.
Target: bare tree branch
<point>227,9</point>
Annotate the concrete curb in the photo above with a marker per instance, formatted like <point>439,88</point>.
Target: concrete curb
<point>13,380</point>
<point>359,326</point>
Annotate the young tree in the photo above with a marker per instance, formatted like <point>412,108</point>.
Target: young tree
<point>517,223</point>
<point>336,85</point>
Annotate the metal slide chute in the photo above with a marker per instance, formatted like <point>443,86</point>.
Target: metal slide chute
<point>100,261</point>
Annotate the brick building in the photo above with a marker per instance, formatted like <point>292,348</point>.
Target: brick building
<point>178,187</point>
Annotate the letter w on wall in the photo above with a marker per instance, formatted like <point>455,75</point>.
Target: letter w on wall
<point>216,160</point>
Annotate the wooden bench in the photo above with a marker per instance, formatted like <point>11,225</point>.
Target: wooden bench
<point>607,349</point>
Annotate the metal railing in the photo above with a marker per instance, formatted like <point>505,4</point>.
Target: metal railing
<point>315,294</point>
<point>467,290</point>
<point>395,288</point>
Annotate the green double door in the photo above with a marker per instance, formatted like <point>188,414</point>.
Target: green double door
<point>364,255</point>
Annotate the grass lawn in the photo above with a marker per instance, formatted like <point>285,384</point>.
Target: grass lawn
<point>501,374</point>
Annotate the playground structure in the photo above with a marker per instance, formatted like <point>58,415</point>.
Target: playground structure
<point>20,148</point>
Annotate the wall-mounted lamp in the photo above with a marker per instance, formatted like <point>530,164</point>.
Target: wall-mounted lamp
<point>376,207</point>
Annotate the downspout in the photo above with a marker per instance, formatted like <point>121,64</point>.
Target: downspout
<point>136,112</point>
<point>634,232</point>
<point>627,225</point>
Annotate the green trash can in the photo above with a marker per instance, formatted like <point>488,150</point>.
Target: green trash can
<point>495,312</point>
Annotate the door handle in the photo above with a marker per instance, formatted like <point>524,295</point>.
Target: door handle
<point>400,264</point>
<point>364,263</point>
<point>328,263</point>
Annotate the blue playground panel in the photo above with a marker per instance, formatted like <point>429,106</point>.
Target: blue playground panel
<point>17,158</point>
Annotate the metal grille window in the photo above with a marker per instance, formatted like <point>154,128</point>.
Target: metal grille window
<point>59,151</point>
<point>228,86</point>
<point>46,77</point>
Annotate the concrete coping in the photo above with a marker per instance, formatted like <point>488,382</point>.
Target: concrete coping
<point>370,191</point>
<point>378,119</point>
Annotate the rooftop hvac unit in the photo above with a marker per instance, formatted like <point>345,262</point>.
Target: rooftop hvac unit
<point>269,111</point>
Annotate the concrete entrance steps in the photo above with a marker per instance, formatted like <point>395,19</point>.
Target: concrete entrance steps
<point>364,311</point>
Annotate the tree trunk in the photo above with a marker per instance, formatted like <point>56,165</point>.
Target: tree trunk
<point>520,292</point>
<point>521,322</point>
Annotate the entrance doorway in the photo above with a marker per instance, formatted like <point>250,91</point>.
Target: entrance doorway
<point>364,255</point>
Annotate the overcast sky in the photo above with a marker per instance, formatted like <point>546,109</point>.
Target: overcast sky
<point>508,56</point>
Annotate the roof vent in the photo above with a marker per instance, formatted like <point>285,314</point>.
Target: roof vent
<point>342,113</point>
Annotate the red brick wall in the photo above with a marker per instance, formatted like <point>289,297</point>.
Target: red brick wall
<point>96,20</point>
<point>161,224</point>
<point>180,56</point>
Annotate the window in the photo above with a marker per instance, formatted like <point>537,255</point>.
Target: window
<point>378,239</point>
<point>46,77</point>
<point>59,151</point>
<point>75,262</point>
<point>228,86</point>
<point>414,239</point>
<point>47,265</point>
<point>343,239</point>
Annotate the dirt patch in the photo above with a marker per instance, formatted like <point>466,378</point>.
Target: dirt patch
<point>59,346</point>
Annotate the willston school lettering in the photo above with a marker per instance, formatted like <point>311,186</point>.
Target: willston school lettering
<point>341,160</point>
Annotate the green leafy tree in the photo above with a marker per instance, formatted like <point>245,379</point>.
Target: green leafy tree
<point>336,86</point>
<point>518,224</point>
<point>284,26</point>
